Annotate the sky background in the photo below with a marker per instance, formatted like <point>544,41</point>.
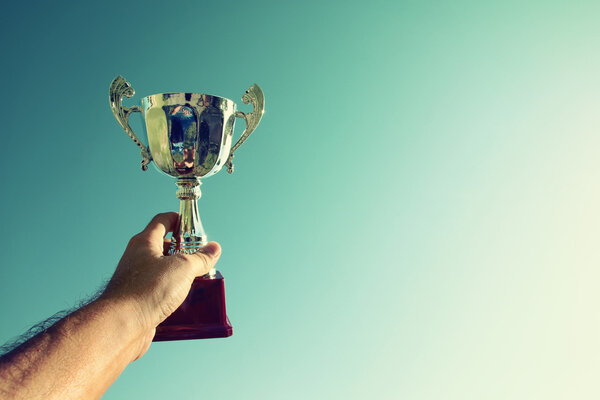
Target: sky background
<point>415,217</point>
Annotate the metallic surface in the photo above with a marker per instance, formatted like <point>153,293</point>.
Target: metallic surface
<point>189,137</point>
<point>255,96</point>
<point>119,88</point>
<point>189,234</point>
<point>189,134</point>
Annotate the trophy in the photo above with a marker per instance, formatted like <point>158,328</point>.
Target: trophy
<point>189,138</point>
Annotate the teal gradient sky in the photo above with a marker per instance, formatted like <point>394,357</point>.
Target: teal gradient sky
<point>416,217</point>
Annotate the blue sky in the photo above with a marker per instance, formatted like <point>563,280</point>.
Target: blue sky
<point>415,217</point>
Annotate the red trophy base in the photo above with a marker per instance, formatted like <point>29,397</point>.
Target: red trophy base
<point>201,316</point>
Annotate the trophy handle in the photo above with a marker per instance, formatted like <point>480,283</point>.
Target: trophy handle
<point>119,88</point>
<point>255,95</point>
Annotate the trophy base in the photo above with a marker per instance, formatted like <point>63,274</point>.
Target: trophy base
<point>201,316</point>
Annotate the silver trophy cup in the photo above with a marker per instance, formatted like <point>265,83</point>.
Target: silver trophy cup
<point>189,138</point>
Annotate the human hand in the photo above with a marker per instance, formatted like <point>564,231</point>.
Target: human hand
<point>151,281</point>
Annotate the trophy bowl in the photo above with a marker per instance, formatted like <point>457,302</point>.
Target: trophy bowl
<point>189,134</point>
<point>189,138</point>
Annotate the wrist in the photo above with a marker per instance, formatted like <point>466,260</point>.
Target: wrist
<point>126,318</point>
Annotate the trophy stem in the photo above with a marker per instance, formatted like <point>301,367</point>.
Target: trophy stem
<point>202,315</point>
<point>189,234</point>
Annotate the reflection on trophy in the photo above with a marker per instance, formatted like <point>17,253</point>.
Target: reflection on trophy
<point>189,138</point>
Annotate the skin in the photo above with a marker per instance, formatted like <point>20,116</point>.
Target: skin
<point>83,354</point>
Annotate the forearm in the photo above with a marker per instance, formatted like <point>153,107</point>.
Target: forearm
<point>83,354</point>
<point>78,357</point>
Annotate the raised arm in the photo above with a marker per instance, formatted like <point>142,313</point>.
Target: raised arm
<point>83,354</point>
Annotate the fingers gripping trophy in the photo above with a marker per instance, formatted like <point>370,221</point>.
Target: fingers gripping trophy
<point>189,138</point>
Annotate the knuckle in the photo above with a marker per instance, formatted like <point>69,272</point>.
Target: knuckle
<point>141,239</point>
<point>157,217</point>
<point>166,216</point>
<point>135,239</point>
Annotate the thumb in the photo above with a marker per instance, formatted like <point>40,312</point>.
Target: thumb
<point>205,258</point>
